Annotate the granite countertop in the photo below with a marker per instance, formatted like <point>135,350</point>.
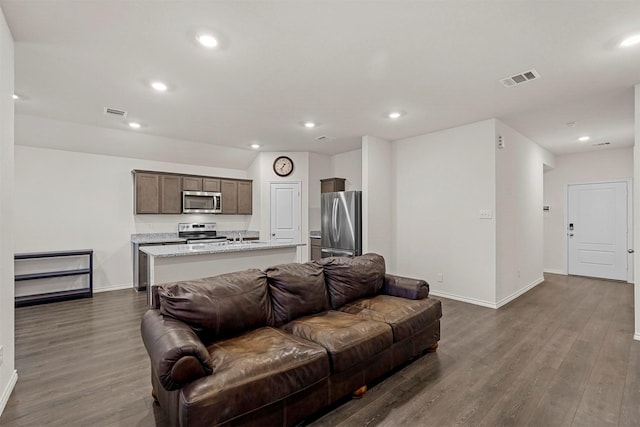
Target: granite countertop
<point>213,248</point>
<point>141,238</point>
<point>314,234</point>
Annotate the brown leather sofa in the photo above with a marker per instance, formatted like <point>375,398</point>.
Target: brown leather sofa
<point>272,347</point>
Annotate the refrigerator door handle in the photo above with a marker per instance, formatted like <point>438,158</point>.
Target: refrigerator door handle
<point>334,220</point>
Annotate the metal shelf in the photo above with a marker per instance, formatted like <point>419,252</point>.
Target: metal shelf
<point>54,296</point>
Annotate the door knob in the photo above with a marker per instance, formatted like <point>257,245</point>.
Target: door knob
<point>273,234</point>
<point>630,251</point>
<point>570,234</point>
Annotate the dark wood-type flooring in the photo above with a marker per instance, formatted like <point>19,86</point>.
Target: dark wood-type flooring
<point>563,354</point>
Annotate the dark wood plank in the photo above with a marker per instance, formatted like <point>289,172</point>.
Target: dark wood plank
<point>562,354</point>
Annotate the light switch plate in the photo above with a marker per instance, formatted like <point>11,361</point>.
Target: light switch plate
<point>1,355</point>
<point>440,277</point>
<point>486,214</point>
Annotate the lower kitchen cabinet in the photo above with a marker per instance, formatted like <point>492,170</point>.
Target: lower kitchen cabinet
<point>316,248</point>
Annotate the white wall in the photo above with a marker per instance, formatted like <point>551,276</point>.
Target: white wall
<point>66,200</point>
<point>575,168</point>
<point>636,208</point>
<point>262,174</point>
<point>377,188</point>
<point>442,180</point>
<point>48,133</point>
<point>319,168</point>
<point>8,374</point>
<point>519,227</point>
<point>349,166</point>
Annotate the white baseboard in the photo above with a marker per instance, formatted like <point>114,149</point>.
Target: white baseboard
<point>463,299</point>
<point>7,391</point>
<point>549,270</point>
<point>636,336</point>
<point>113,288</point>
<point>519,292</point>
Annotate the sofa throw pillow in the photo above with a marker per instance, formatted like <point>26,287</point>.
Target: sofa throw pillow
<point>351,278</point>
<point>296,290</point>
<point>219,306</point>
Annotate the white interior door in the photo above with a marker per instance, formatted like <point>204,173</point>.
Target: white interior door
<point>597,227</point>
<point>285,212</point>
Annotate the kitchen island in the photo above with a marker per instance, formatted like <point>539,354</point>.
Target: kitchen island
<point>187,262</point>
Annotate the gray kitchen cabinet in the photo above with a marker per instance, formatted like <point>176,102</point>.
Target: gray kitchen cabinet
<point>331,185</point>
<point>170,194</point>
<point>245,198</point>
<point>191,183</point>
<point>147,193</point>
<point>316,248</point>
<point>237,197</point>
<point>229,190</point>
<point>156,193</point>
<point>209,184</point>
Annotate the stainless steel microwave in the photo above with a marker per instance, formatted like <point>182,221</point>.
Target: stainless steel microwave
<point>201,202</point>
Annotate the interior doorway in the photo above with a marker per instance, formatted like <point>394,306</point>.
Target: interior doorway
<point>598,229</point>
<point>284,205</point>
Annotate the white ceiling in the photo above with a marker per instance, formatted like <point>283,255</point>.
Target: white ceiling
<point>341,63</point>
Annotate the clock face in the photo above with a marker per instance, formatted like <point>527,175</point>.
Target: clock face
<point>283,166</point>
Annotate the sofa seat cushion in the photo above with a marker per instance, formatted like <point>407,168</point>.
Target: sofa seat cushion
<point>348,339</point>
<point>255,369</point>
<point>406,317</point>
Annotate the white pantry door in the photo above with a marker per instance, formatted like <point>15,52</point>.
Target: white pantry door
<point>285,212</point>
<point>597,230</point>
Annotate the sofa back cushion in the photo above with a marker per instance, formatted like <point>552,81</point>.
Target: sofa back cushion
<point>296,290</point>
<point>349,279</point>
<point>219,306</point>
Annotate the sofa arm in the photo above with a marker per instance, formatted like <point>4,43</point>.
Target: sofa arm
<point>177,354</point>
<point>404,287</point>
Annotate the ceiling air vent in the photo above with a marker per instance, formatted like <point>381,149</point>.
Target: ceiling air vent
<point>523,77</point>
<point>601,144</point>
<point>115,112</point>
<point>325,138</point>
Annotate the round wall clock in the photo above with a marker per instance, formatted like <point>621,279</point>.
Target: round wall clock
<point>283,166</point>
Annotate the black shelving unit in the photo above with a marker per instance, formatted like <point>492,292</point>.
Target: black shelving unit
<point>53,296</point>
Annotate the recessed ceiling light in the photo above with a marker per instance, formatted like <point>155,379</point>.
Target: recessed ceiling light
<point>584,138</point>
<point>309,125</point>
<point>255,146</point>
<point>630,41</point>
<point>14,96</point>
<point>395,115</point>
<point>207,40</point>
<point>159,86</point>
<point>134,125</point>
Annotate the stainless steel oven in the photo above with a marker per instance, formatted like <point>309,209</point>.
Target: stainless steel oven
<point>201,202</point>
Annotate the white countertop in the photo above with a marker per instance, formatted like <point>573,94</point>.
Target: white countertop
<point>213,248</point>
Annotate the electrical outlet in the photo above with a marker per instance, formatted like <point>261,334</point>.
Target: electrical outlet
<point>485,214</point>
<point>440,277</point>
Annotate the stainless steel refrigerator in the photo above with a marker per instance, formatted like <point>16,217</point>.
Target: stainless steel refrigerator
<point>341,230</point>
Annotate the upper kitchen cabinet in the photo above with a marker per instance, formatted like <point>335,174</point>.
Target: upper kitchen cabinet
<point>157,193</point>
<point>245,198</point>
<point>170,194</point>
<point>161,192</point>
<point>147,193</point>
<point>210,184</point>
<point>331,185</point>
<point>196,183</point>
<point>236,197</point>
